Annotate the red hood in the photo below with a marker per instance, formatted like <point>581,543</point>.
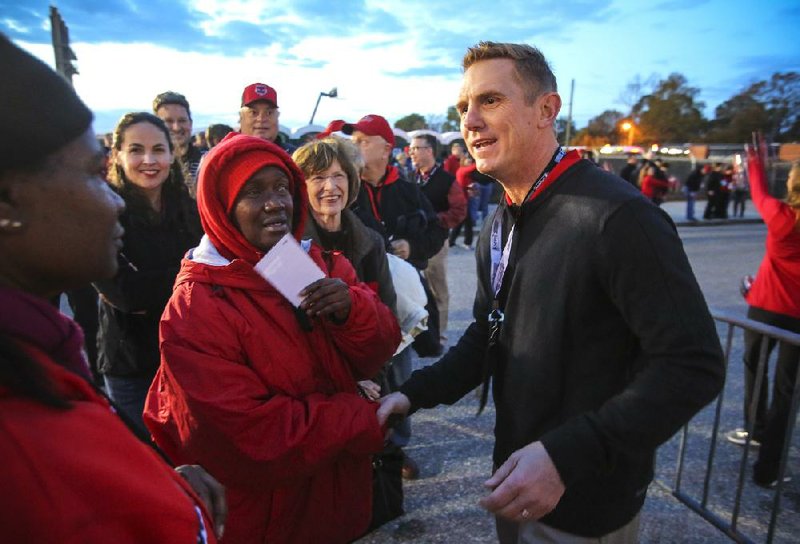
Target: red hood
<point>215,189</point>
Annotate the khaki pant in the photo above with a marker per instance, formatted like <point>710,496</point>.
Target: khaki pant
<point>533,532</point>
<point>436,274</point>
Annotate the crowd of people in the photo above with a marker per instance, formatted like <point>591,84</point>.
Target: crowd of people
<point>724,186</point>
<point>217,406</point>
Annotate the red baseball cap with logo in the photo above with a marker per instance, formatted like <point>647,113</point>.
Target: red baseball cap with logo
<point>259,91</point>
<point>371,125</point>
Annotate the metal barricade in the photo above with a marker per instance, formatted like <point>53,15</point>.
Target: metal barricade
<point>701,505</point>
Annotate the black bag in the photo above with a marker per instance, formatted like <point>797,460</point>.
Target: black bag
<point>427,343</point>
<point>387,486</point>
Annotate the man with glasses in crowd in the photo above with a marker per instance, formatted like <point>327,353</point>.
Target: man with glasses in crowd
<point>450,205</point>
<point>402,214</point>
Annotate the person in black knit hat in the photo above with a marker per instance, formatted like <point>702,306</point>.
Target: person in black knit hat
<point>77,471</point>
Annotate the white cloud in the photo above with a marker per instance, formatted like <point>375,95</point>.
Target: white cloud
<point>370,67</point>
<point>16,26</point>
<point>116,76</point>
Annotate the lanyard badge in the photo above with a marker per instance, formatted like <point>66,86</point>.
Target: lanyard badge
<point>500,255</point>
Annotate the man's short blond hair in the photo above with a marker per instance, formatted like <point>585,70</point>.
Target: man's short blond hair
<point>531,68</point>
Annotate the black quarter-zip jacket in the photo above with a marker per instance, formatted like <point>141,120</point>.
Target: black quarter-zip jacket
<point>606,350</point>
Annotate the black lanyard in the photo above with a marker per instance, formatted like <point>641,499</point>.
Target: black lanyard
<point>499,265</point>
<point>423,179</point>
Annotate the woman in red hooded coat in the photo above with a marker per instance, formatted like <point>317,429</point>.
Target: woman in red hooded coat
<point>263,392</point>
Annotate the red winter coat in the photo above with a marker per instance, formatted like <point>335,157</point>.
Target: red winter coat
<point>271,409</point>
<point>653,187</point>
<point>79,475</point>
<point>777,285</point>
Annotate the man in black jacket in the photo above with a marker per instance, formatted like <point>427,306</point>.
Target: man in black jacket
<point>587,319</point>
<point>449,203</point>
<point>690,187</point>
<point>713,185</point>
<point>630,169</point>
<point>400,212</point>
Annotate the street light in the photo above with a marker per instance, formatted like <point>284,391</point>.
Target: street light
<point>629,127</point>
<point>333,93</point>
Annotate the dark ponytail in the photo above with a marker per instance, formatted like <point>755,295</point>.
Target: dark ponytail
<point>24,376</point>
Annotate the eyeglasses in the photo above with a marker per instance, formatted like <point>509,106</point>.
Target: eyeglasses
<point>417,148</point>
<point>339,177</point>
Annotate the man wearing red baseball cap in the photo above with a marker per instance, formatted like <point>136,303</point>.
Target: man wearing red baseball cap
<point>404,216</point>
<point>259,114</point>
<point>402,212</point>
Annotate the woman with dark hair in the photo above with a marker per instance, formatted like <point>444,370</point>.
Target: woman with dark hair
<point>161,224</point>
<point>774,299</point>
<point>261,392</point>
<point>71,470</point>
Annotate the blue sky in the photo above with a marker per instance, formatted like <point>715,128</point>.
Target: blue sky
<point>396,58</point>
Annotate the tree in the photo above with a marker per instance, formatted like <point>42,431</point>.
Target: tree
<point>635,90</point>
<point>561,131</point>
<point>770,106</point>
<point>670,113</point>
<point>605,127</point>
<point>434,122</point>
<point>411,122</point>
<point>737,118</point>
<point>453,121</point>
<point>781,97</point>
<point>582,137</point>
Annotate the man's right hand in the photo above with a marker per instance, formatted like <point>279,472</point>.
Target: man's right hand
<point>401,248</point>
<point>396,403</point>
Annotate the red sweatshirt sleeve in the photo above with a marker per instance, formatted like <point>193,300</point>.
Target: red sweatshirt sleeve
<point>778,216</point>
<point>457,207</point>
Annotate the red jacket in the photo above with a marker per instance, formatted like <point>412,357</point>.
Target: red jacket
<point>777,284</point>
<point>452,164</point>
<point>271,409</point>
<point>652,187</point>
<point>464,176</point>
<point>80,476</point>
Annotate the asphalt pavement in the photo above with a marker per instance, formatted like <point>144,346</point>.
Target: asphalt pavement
<point>453,446</point>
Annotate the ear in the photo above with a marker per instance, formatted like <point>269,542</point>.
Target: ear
<point>549,106</point>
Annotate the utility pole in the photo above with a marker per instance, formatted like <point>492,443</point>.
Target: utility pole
<point>569,115</point>
<point>63,52</point>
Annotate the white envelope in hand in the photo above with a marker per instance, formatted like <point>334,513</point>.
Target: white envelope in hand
<point>289,269</point>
